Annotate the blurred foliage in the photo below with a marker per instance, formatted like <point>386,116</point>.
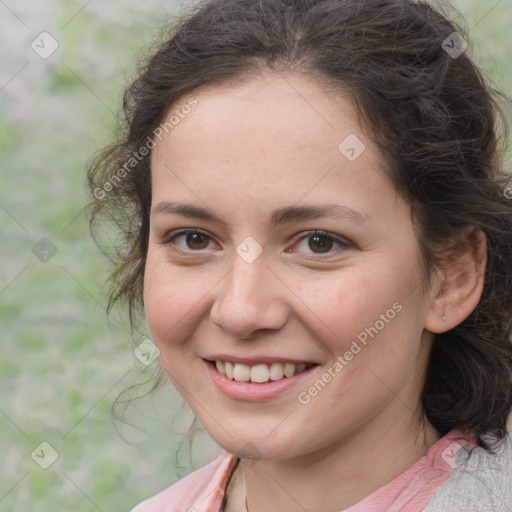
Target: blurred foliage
<point>61,365</point>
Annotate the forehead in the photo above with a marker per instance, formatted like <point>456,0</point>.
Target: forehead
<point>294,107</point>
<point>276,136</point>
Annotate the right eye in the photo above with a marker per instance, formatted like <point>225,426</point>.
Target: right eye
<point>194,240</point>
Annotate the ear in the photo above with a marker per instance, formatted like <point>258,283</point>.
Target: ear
<point>460,281</point>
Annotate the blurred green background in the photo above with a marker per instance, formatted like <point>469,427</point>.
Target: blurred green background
<point>61,365</point>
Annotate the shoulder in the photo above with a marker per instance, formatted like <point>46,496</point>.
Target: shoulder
<point>480,481</point>
<point>197,492</point>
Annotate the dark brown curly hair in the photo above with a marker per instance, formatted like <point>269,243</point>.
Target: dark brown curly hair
<point>430,112</point>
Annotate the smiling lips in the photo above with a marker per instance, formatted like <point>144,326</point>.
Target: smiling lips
<point>257,379</point>
<point>259,373</point>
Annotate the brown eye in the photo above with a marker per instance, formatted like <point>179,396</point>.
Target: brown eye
<point>193,240</point>
<point>321,242</point>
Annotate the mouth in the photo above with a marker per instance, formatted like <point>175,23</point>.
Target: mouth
<point>260,373</point>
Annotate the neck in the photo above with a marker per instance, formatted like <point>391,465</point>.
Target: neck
<point>336,477</point>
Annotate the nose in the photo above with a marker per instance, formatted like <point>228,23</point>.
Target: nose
<point>249,299</point>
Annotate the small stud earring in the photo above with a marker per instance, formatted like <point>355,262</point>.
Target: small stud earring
<point>444,318</point>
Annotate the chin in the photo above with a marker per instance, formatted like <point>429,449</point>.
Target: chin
<point>257,446</point>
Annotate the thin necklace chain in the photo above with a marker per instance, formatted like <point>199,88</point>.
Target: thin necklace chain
<point>245,490</point>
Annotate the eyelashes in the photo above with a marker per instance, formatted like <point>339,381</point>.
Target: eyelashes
<point>324,235</point>
<point>194,236</point>
<point>169,239</point>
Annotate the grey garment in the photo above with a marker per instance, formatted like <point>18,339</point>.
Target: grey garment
<point>480,482</point>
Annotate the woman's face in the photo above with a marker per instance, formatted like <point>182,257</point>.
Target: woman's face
<point>255,286</point>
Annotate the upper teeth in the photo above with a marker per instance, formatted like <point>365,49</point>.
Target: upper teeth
<point>258,372</point>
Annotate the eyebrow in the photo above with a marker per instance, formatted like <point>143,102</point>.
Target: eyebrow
<point>284,215</point>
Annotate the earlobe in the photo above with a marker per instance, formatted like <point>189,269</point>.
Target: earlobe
<point>460,282</point>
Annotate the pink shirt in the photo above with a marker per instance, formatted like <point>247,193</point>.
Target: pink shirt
<point>204,489</point>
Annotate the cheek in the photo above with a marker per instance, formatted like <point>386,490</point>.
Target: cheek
<point>172,300</point>
<point>348,304</point>
<point>370,316</point>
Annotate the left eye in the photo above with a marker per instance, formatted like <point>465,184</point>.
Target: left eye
<point>196,241</point>
<point>323,241</point>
